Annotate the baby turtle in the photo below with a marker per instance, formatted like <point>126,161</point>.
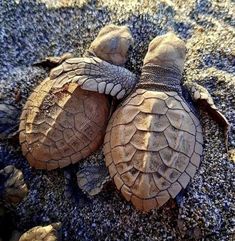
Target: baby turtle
<point>12,186</point>
<point>153,143</point>
<point>62,122</point>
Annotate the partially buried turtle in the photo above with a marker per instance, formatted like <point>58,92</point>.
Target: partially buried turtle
<point>62,122</point>
<point>153,142</point>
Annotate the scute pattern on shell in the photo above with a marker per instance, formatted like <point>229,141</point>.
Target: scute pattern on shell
<point>153,146</point>
<point>61,126</point>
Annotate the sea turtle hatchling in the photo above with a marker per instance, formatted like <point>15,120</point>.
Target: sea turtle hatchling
<point>61,122</point>
<point>153,142</point>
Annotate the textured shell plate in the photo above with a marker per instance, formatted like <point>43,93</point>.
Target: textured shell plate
<point>61,126</point>
<point>153,146</point>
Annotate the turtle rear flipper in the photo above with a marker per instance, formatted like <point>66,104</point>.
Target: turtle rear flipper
<point>203,98</point>
<point>91,179</point>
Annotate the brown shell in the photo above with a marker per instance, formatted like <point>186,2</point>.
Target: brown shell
<point>153,146</point>
<point>61,126</point>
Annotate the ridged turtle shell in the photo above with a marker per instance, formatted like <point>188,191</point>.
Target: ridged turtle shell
<point>61,126</point>
<point>153,146</point>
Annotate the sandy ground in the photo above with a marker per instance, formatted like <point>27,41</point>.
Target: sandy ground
<point>32,30</point>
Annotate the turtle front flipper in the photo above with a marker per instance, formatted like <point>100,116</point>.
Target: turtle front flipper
<point>94,74</point>
<point>203,98</point>
<point>53,61</point>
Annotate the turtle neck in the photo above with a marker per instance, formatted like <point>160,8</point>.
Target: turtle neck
<point>158,78</point>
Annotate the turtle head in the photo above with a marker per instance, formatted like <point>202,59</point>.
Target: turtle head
<point>166,51</point>
<point>112,44</point>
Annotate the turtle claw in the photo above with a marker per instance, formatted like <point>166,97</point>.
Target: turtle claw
<point>53,61</point>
